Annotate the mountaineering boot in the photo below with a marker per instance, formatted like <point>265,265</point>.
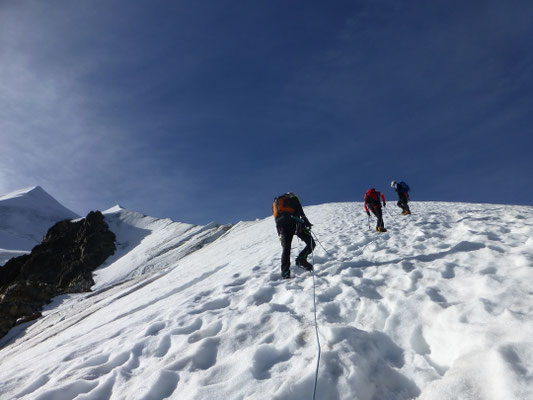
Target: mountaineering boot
<point>380,229</point>
<point>302,262</point>
<point>286,275</point>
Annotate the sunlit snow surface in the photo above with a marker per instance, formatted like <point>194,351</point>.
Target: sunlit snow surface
<point>439,307</point>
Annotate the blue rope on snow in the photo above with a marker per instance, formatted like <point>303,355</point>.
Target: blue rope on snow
<point>316,323</point>
<point>318,241</point>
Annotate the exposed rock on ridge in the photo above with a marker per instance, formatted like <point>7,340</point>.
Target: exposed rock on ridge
<point>62,263</point>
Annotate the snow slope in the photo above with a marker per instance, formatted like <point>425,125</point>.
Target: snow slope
<point>146,244</point>
<point>440,307</point>
<point>25,216</point>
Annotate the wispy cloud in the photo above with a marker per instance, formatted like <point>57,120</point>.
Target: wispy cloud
<point>173,108</point>
<point>58,132</point>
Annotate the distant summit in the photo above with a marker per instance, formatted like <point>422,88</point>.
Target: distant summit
<point>25,216</point>
<point>35,198</point>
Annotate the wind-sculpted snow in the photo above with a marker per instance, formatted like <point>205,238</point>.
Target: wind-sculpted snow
<point>438,308</point>
<point>146,244</point>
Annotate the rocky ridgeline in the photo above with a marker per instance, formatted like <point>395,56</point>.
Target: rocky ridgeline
<point>62,263</point>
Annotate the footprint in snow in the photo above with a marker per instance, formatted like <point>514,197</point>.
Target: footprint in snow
<point>204,357</point>
<point>200,296</point>
<point>236,286</point>
<point>94,361</point>
<point>213,305</point>
<point>353,272</point>
<point>510,353</point>
<point>265,357</point>
<point>163,386</point>
<point>418,342</point>
<point>236,282</point>
<point>367,288</point>
<point>163,347</point>
<point>436,297</point>
<point>449,272</point>
<point>407,266</point>
<point>104,369</point>
<point>263,295</point>
<point>329,294</point>
<point>415,277</point>
<point>188,329</point>
<point>488,271</point>
<point>331,311</point>
<point>134,361</point>
<point>211,330</point>
<point>154,328</point>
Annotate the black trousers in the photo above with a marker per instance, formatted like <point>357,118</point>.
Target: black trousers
<point>378,212</point>
<point>402,201</point>
<point>286,232</point>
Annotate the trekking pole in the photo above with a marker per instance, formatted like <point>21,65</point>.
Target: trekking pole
<point>368,221</point>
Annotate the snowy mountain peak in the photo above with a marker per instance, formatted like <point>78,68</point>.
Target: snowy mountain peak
<point>22,192</point>
<point>25,216</point>
<point>35,198</point>
<point>115,209</point>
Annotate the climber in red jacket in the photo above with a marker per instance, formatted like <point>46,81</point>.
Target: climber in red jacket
<point>372,202</point>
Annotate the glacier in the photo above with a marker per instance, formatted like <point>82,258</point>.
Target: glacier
<point>439,307</point>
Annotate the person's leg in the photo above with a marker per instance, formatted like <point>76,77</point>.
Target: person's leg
<point>310,244</point>
<point>406,203</point>
<point>400,201</point>
<point>285,236</point>
<point>403,203</point>
<point>374,211</point>
<point>379,215</point>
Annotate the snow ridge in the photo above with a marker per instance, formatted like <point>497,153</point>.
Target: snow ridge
<point>146,245</point>
<point>438,308</point>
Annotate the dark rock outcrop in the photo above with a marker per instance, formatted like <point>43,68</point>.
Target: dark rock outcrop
<point>62,263</point>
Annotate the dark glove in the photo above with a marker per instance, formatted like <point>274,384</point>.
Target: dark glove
<point>384,204</point>
<point>368,213</point>
<point>307,224</point>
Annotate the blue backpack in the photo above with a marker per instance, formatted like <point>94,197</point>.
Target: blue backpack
<point>404,187</point>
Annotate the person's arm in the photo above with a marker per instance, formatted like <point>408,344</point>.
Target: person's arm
<point>366,208</point>
<point>300,213</point>
<point>383,198</point>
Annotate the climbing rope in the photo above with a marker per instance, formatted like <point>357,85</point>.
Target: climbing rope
<point>391,214</point>
<point>318,241</point>
<point>316,323</point>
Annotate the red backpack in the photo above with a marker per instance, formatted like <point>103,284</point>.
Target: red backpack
<point>371,196</point>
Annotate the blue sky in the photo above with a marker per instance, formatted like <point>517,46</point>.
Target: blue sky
<point>205,110</point>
